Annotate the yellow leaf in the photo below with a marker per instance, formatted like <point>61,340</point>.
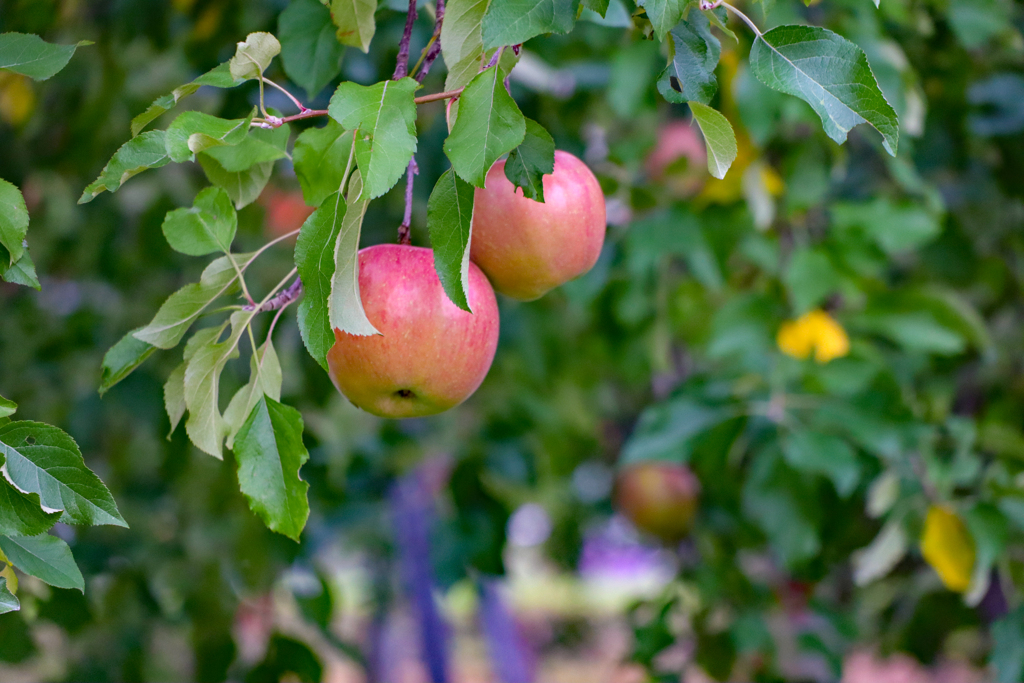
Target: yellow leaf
<point>12,578</point>
<point>815,331</point>
<point>17,99</point>
<point>948,547</point>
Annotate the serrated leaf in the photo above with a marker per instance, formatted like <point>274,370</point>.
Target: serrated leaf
<point>7,408</point>
<point>314,260</point>
<point>146,151</point>
<point>270,453</point>
<point>22,514</point>
<point>828,72</point>
<point>598,6</point>
<point>690,74</point>
<point>355,22</point>
<point>208,226</point>
<point>264,379</point>
<point>244,187</point>
<point>450,221</point>
<point>174,395</point>
<point>320,158</point>
<point>122,358</point>
<point>23,272</point>
<point>217,77</point>
<point>193,132</point>
<point>462,44</point>
<point>344,305</point>
<point>45,557</point>
<point>8,601</point>
<point>385,116</point>
<point>184,307</point>
<point>718,17</point>
<point>45,460</point>
<point>258,147</point>
<point>719,138</point>
<point>310,50</point>
<point>253,55</point>
<point>29,55</point>
<point>489,125</point>
<point>534,158</point>
<point>13,221</point>
<point>510,22</point>
<point>664,14</point>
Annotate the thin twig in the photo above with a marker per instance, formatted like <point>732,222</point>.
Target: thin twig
<point>302,108</point>
<point>281,300</point>
<point>433,48</point>
<point>402,63</point>
<point>405,229</point>
<point>277,122</point>
<point>434,97</point>
<point>707,5</point>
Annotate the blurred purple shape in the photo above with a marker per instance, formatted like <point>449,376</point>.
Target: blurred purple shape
<point>615,550</point>
<point>511,655</point>
<point>412,509</point>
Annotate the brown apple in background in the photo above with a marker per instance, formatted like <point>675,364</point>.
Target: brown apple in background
<point>430,355</point>
<point>659,497</point>
<point>526,247</point>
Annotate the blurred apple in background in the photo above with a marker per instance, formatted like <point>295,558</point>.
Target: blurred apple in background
<point>679,158</point>
<point>659,498</point>
<point>285,211</point>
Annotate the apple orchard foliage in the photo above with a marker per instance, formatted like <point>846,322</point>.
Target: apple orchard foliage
<point>823,332</point>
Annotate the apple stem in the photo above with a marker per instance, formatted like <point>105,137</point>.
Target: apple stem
<point>433,48</point>
<point>280,301</point>
<point>402,63</point>
<point>405,229</point>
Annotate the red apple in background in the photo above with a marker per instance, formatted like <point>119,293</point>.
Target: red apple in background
<point>679,140</point>
<point>431,355</point>
<point>659,498</point>
<point>285,211</point>
<point>528,247</point>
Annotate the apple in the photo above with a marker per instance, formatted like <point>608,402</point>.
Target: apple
<point>285,211</point>
<point>526,247</point>
<point>659,498</point>
<point>431,355</point>
<point>679,140</point>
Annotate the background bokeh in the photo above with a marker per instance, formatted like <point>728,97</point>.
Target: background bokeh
<point>667,350</point>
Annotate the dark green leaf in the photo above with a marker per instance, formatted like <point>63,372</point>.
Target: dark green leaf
<point>1007,656</point>
<point>528,163</point>
<point>193,132</point>
<point>690,74</point>
<point>824,454</point>
<point>13,222</point>
<point>664,14</point>
<point>217,77</point>
<point>314,259</point>
<point>146,151</point>
<point>829,73</point>
<point>385,116</point>
<point>270,453</point>
<point>666,430</point>
<point>122,358</point>
<point>344,305</point>
<point>510,22</point>
<point>450,221</point>
<point>310,49</point>
<point>320,158</point>
<point>208,226</point>
<point>22,514</point>
<point>43,459</point>
<point>355,22</point>
<point>244,187</point>
<point>45,557</point>
<point>29,55</point>
<point>718,137</point>
<point>8,601</point>
<point>253,55</point>
<point>810,278</point>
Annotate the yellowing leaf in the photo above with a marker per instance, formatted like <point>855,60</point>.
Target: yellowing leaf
<point>817,332</point>
<point>17,99</point>
<point>948,547</point>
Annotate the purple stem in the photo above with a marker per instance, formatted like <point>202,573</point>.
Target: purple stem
<point>402,65</point>
<point>510,654</point>
<point>435,48</point>
<point>405,229</point>
<point>280,301</point>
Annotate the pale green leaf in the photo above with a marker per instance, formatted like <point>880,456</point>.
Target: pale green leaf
<point>344,305</point>
<point>217,77</point>
<point>8,601</point>
<point>23,272</point>
<point>7,407</point>
<point>534,158</point>
<point>205,425</point>
<point>174,395</point>
<point>45,557</point>
<point>270,453</point>
<point>259,146</point>
<point>208,226</point>
<point>193,132</point>
<point>510,22</point>
<point>355,22</point>
<point>146,151</point>
<point>450,221</point>
<point>881,556</point>
<point>461,41</point>
<point>253,56</point>
<point>320,158</point>
<point>310,50</point>
<point>122,358</point>
<point>264,380</point>
<point>664,14</point>
<point>244,187</point>
<point>718,137</point>
<point>29,55</point>
<point>13,221</point>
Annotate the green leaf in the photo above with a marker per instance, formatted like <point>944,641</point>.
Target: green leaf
<point>489,125</point>
<point>664,14</point>
<point>528,163</point>
<point>666,430</point>
<point>824,454</point>
<point>896,228</point>
<point>122,358</point>
<point>810,278</point>
<point>8,601</point>
<point>43,459</point>
<point>253,55</point>
<point>320,158</point>
<point>355,22</point>
<point>258,147</point>
<point>718,137</point>
<point>7,407</point>
<point>183,307</point>
<point>244,187</point>
<point>193,132</point>
<point>690,74</point>
<point>207,227</point>
<point>264,380</point>
<point>450,221</point>
<point>23,272</point>
<point>29,55</point>
<point>174,394</point>
<point>990,530</point>
<point>314,260</point>
<point>217,77</point>
<point>510,22</point>
<point>462,43</point>
<point>917,331</point>
<point>829,73</point>
<point>270,453</point>
<point>22,514</point>
<point>783,504</point>
<point>385,115</point>
<point>205,425</point>
<point>310,50</point>
<point>881,556</point>
<point>146,151</point>
<point>13,221</point>
<point>598,6</point>
<point>45,557</point>
<point>1007,656</point>
<point>344,305</point>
